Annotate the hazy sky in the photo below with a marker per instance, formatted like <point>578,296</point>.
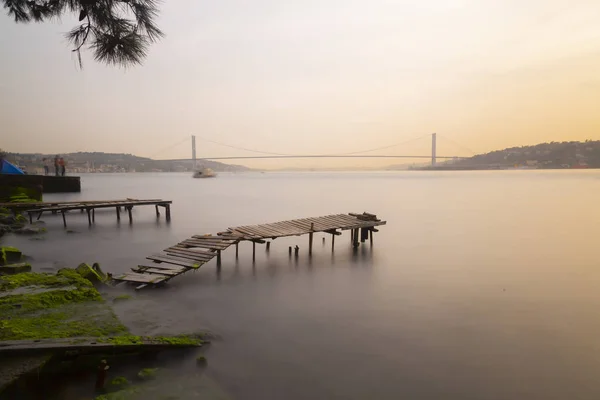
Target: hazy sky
<point>311,76</point>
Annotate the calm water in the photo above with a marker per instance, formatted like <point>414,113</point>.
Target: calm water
<point>483,285</point>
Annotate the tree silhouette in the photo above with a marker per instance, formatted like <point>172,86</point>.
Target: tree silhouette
<point>118,32</point>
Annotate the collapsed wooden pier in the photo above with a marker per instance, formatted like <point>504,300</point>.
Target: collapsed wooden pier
<point>90,207</point>
<point>196,251</point>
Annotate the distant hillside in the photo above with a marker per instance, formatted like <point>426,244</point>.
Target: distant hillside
<point>114,162</point>
<point>545,155</point>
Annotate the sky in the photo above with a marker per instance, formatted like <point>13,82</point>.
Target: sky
<point>313,77</point>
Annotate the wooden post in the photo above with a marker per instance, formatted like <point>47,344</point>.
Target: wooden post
<point>296,250</point>
<point>157,212</point>
<point>310,238</point>
<point>168,212</point>
<point>290,251</point>
<point>355,243</point>
<point>332,242</point>
<point>236,251</point>
<point>253,251</point>
<point>268,246</point>
<point>89,216</point>
<point>118,213</point>
<point>129,212</point>
<point>94,215</point>
<point>30,218</point>
<point>218,258</point>
<point>371,237</point>
<point>64,218</point>
<point>351,236</point>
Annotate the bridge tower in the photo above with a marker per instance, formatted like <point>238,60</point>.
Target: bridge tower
<point>433,148</point>
<point>194,151</point>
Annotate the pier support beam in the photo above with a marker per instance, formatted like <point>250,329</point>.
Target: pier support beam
<point>129,213</point>
<point>89,213</point>
<point>310,239</point>
<point>64,218</point>
<point>93,215</point>
<point>236,251</point>
<point>157,212</point>
<point>168,212</point>
<point>268,247</point>
<point>253,251</point>
<point>355,241</point>
<point>218,258</point>
<point>118,213</point>
<point>332,242</point>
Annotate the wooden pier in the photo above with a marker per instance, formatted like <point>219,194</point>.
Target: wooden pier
<point>196,251</point>
<point>90,207</point>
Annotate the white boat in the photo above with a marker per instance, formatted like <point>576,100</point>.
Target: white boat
<point>204,173</point>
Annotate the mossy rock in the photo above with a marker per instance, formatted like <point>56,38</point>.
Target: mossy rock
<point>201,360</point>
<point>93,274</point>
<point>147,374</point>
<point>61,305</point>
<point>12,269</point>
<point>122,297</point>
<point>125,394</point>
<point>9,255</point>
<point>118,383</point>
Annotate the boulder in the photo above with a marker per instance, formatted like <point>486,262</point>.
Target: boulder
<point>93,274</point>
<point>28,230</point>
<point>8,219</point>
<point>147,374</point>
<point>9,255</point>
<point>12,269</point>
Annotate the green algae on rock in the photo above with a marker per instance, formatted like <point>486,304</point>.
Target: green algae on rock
<point>43,306</point>
<point>126,340</point>
<point>9,254</point>
<point>118,383</point>
<point>147,374</point>
<point>93,274</point>
<point>121,298</point>
<point>11,269</point>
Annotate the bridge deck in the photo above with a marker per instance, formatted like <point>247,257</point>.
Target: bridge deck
<point>198,250</point>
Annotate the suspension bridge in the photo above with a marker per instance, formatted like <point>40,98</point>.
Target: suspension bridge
<point>357,154</point>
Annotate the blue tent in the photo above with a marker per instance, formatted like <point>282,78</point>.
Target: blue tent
<point>8,168</point>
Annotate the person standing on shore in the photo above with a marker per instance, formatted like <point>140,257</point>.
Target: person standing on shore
<point>61,164</point>
<point>56,165</point>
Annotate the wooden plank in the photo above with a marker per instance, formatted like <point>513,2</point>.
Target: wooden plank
<point>258,230</point>
<point>287,228</point>
<point>245,233</point>
<point>277,231</point>
<point>165,272</point>
<point>207,254</point>
<point>331,222</point>
<point>167,267</point>
<point>193,243</point>
<point>197,258</point>
<point>250,231</point>
<point>216,243</point>
<point>142,278</point>
<point>215,239</point>
<point>173,260</point>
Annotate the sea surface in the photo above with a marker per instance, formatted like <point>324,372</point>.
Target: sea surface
<point>483,285</point>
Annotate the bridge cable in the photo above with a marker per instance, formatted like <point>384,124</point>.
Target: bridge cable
<point>292,155</point>
<point>170,147</point>
<point>457,144</point>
